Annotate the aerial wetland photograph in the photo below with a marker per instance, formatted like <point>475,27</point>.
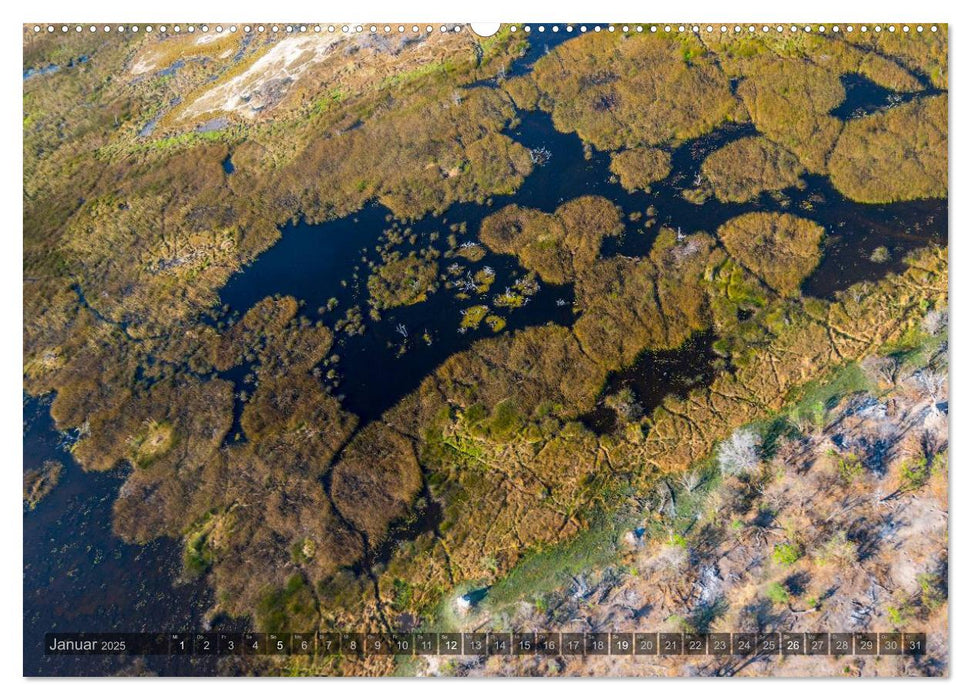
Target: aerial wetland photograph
<point>563,350</point>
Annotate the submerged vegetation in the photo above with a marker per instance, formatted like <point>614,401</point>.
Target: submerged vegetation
<point>38,483</point>
<point>300,514</point>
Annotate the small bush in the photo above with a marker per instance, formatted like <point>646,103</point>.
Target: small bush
<point>933,590</point>
<point>786,554</point>
<point>914,473</point>
<point>897,615</point>
<point>880,255</point>
<point>849,468</point>
<point>838,550</point>
<point>777,593</point>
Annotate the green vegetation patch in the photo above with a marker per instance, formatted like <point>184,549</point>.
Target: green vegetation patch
<point>786,554</point>
<point>777,593</point>
<point>616,90</point>
<point>790,102</point>
<point>552,567</point>
<point>402,281</point>
<point>154,440</point>
<point>743,169</point>
<point>639,168</point>
<point>197,556</point>
<point>893,155</point>
<point>557,246</point>
<point>781,249</point>
<point>474,315</point>
<point>287,608</point>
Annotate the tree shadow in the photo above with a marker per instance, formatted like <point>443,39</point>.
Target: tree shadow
<point>797,583</point>
<point>704,615</point>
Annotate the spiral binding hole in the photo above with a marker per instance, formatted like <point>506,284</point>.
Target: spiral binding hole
<point>526,28</point>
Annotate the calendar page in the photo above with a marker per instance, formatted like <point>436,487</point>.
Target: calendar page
<point>526,349</point>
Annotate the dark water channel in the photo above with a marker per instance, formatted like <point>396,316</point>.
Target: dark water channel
<point>314,262</point>
<point>79,577</point>
<point>864,97</point>
<point>655,375</point>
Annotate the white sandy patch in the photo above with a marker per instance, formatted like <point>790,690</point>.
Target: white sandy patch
<point>206,38</point>
<point>246,93</point>
<point>148,58</point>
<point>144,64</point>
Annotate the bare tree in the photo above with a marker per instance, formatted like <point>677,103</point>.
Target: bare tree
<point>930,384</point>
<point>881,369</point>
<point>934,322</point>
<point>672,558</point>
<point>690,480</point>
<point>579,589</point>
<point>739,454</point>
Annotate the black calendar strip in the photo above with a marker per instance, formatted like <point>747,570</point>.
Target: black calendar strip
<point>489,644</point>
